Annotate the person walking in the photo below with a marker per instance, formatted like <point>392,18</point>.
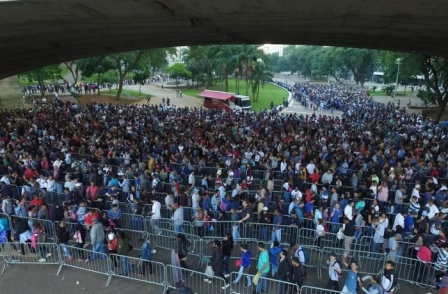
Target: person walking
<point>274,253</point>
<point>97,239</point>
<point>262,268</point>
<point>216,262</point>
<point>244,265</point>
<point>146,255</point>
<point>299,272</point>
<point>63,237</point>
<point>80,240</point>
<point>334,272</point>
<point>112,246</point>
<point>123,249</point>
<point>353,279</point>
<point>227,247</point>
<point>182,250</point>
<point>284,271</point>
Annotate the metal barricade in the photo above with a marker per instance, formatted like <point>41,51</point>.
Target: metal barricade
<point>413,271</point>
<point>88,260</point>
<point>136,269</point>
<point>267,285</point>
<point>47,224</point>
<point>37,253</point>
<point>134,236</point>
<point>207,250</point>
<point>316,290</point>
<point>198,281</point>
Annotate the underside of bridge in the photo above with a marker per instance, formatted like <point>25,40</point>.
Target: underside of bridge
<point>35,33</point>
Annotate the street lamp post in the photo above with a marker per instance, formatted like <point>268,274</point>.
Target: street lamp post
<point>397,62</point>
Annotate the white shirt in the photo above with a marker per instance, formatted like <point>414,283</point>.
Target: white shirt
<point>195,198</point>
<point>6,180</point>
<point>283,166</point>
<point>156,210</point>
<point>50,185</point>
<point>432,211</point>
<point>399,221</point>
<point>415,193</point>
<point>348,212</point>
<point>296,194</point>
<point>291,207</point>
<point>57,163</point>
<point>310,168</point>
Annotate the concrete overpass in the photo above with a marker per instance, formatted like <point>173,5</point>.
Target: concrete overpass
<point>34,33</point>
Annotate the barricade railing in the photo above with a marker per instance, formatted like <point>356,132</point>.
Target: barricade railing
<point>413,271</point>
<point>190,277</point>
<point>168,224</point>
<point>207,250</point>
<point>267,285</point>
<point>367,264</point>
<point>167,240</point>
<point>316,290</point>
<point>137,269</point>
<point>134,236</point>
<point>47,224</point>
<point>308,237</point>
<point>88,260</point>
<point>35,253</point>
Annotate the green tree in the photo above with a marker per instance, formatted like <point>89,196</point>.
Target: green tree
<point>435,72</point>
<point>201,61</point>
<point>178,71</point>
<point>40,75</point>
<point>260,74</point>
<point>140,78</point>
<point>98,66</point>
<point>410,67</point>
<point>110,77</point>
<point>73,69</point>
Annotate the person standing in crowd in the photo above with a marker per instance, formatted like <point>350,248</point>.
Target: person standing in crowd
<point>274,254</point>
<point>183,246</point>
<point>349,235</point>
<point>262,268</point>
<point>389,278</point>
<point>80,240</point>
<point>334,272</point>
<point>155,216</point>
<point>244,265</point>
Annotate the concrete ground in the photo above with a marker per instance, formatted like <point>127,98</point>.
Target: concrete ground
<point>159,94</point>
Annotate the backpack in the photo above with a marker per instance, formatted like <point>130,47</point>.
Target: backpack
<point>337,262</point>
<point>306,254</point>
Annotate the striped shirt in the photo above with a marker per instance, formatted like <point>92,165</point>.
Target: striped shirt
<point>414,207</point>
<point>442,259</point>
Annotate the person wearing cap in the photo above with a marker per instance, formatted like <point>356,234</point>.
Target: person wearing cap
<point>97,239</point>
<point>112,245</point>
<point>416,191</point>
<point>334,272</point>
<point>178,218</point>
<point>394,246</point>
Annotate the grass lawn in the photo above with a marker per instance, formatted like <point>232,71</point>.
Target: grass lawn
<point>268,93</point>
<point>382,93</point>
<point>129,94</point>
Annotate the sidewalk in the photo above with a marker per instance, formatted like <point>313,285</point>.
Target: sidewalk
<point>158,94</point>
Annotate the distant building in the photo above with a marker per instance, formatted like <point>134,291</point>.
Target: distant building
<point>270,49</point>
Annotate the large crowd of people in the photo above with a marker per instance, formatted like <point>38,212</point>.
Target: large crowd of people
<point>335,175</point>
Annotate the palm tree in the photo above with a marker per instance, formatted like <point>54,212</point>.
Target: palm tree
<point>259,75</point>
<point>248,55</point>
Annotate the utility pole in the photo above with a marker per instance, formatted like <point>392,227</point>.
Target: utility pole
<point>397,62</point>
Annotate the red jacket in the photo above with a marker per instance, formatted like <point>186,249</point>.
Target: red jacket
<point>424,254</point>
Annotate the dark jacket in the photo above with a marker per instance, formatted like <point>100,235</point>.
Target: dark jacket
<point>216,261</point>
<point>299,274</point>
<point>63,235</point>
<point>182,248</point>
<point>21,226</point>
<point>123,246</point>
<point>227,247</point>
<point>284,270</point>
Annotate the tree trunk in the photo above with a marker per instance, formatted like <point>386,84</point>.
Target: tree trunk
<point>42,91</point>
<point>226,77</point>
<point>120,87</point>
<point>405,86</point>
<point>140,88</point>
<point>441,105</point>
